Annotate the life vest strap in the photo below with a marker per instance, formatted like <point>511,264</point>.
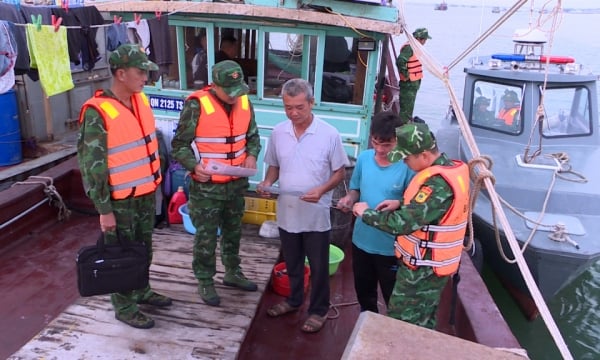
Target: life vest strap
<point>135,183</point>
<point>444,228</point>
<point>133,144</point>
<point>423,262</point>
<point>228,156</point>
<point>221,140</point>
<point>134,164</point>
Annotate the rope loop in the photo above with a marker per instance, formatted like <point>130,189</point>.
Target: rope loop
<point>560,235</point>
<point>54,197</point>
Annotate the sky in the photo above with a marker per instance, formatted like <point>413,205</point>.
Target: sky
<point>567,4</point>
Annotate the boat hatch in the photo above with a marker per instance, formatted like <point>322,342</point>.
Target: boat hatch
<point>539,162</point>
<point>572,224</point>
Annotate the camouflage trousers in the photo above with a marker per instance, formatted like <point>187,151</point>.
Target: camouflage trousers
<point>408,95</point>
<point>416,296</point>
<point>207,216</point>
<point>135,222</point>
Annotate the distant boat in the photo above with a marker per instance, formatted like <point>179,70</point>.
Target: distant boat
<point>441,6</point>
<point>496,9</point>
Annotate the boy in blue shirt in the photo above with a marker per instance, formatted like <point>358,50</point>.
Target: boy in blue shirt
<point>374,180</point>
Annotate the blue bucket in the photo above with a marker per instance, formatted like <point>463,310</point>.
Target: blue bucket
<point>10,130</point>
<point>187,221</point>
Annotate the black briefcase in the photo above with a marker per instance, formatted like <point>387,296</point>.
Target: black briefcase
<point>114,268</point>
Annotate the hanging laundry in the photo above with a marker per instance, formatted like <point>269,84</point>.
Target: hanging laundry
<point>143,34</point>
<point>49,54</point>
<point>10,13</point>
<point>116,35</point>
<point>160,42</point>
<point>88,16</point>
<point>8,56</point>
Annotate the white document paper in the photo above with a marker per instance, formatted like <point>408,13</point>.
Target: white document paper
<point>217,168</point>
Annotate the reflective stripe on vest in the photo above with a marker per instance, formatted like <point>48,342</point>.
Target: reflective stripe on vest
<point>221,136</point>
<point>443,241</point>
<point>132,155</point>
<point>415,69</point>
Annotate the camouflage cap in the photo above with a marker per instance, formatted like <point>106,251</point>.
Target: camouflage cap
<point>229,75</point>
<point>421,33</point>
<point>413,138</point>
<point>131,55</point>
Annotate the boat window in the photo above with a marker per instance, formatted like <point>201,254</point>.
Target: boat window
<point>566,112</point>
<point>295,55</point>
<point>337,78</point>
<point>285,53</point>
<point>496,106</point>
<point>237,44</point>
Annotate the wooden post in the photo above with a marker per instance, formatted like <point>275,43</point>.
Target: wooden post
<point>48,117</point>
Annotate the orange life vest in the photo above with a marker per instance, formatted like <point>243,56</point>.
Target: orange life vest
<point>415,69</point>
<point>221,137</point>
<point>508,115</point>
<point>133,160</point>
<point>446,238</point>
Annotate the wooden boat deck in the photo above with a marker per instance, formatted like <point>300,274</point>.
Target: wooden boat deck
<point>39,295</point>
<point>188,329</point>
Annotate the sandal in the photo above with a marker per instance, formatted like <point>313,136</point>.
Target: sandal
<point>281,309</point>
<point>314,323</point>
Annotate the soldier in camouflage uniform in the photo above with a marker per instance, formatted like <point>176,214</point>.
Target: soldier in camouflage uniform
<point>417,291</point>
<point>411,73</point>
<point>133,217</point>
<point>212,204</point>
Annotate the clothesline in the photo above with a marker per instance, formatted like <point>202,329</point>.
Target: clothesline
<point>115,19</point>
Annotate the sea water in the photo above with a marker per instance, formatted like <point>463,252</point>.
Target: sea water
<point>574,309</point>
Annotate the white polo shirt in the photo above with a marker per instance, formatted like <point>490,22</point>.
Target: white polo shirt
<point>304,164</point>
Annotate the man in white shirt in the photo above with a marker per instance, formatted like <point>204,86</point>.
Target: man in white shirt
<point>306,155</point>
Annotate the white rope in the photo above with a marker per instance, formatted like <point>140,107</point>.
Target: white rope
<point>54,198</point>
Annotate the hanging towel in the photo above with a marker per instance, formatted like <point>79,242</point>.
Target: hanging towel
<point>8,55</point>
<point>49,54</point>
<point>143,32</point>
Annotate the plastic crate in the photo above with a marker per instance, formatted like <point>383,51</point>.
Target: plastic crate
<point>260,204</point>
<point>257,217</point>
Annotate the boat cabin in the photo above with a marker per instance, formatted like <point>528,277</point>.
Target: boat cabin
<point>337,46</point>
<point>522,81</point>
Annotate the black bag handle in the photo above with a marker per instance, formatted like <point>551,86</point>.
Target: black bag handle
<point>100,244</point>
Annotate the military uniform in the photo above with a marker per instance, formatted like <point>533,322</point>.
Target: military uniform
<point>134,215</point>
<point>215,205</point>
<point>416,294</point>
<point>409,87</point>
<point>481,115</point>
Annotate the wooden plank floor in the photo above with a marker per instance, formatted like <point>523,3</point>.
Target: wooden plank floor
<point>188,329</point>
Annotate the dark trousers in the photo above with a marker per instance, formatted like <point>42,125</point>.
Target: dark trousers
<point>369,271</point>
<point>315,246</point>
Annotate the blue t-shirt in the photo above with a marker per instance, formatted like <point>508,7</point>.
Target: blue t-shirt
<point>377,183</point>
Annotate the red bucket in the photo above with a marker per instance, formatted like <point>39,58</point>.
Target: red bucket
<point>280,282</point>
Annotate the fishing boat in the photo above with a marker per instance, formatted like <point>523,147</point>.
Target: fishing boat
<point>277,40</point>
<point>543,162</point>
<point>441,6</point>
